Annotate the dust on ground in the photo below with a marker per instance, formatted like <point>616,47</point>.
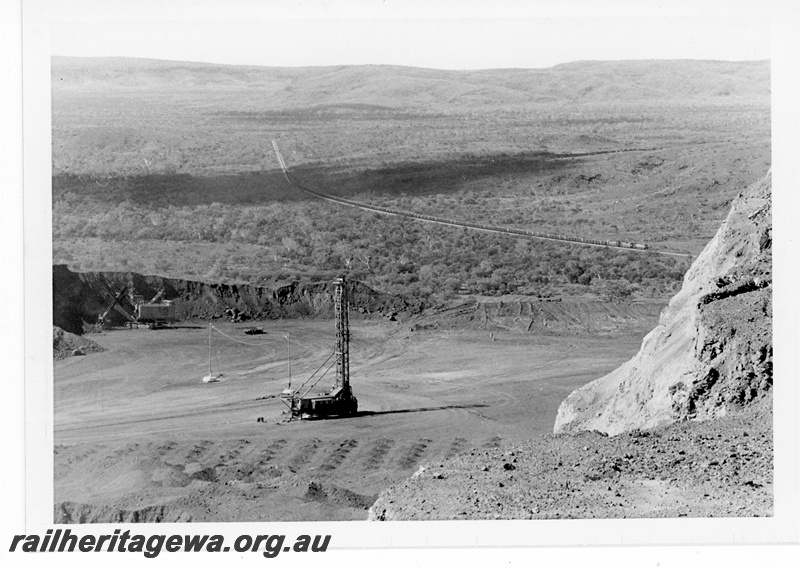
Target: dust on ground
<point>716,468</point>
<point>139,436</point>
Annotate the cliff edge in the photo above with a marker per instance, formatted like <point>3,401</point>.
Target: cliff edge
<point>711,353</point>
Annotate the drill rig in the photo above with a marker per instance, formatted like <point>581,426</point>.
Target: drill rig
<point>339,401</point>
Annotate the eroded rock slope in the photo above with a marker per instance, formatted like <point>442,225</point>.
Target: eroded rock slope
<point>690,416</point>
<point>711,352</point>
<point>79,297</point>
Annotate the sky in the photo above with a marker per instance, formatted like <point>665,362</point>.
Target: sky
<point>444,35</point>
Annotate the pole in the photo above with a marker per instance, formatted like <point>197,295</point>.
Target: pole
<point>289,360</point>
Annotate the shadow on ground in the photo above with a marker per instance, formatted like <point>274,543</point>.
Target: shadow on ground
<point>397,411</point>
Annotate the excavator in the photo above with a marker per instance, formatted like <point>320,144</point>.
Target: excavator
<point>156,314</point>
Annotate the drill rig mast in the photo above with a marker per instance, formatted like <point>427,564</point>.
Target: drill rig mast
<point>339,401</point>
<point>340,310</point>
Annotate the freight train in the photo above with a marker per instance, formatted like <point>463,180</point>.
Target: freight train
<point>520,232</point>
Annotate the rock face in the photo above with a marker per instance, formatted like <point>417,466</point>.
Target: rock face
<point>79,297</point>
<point>711,352</point>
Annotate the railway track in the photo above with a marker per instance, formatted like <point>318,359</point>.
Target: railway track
<point>637,247</point>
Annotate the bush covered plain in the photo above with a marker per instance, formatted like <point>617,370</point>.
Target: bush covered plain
<point>167,168</point>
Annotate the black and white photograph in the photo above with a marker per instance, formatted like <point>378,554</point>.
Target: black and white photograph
<point>426,275</point>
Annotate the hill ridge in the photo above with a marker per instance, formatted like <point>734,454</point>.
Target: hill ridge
<point>417,87</point>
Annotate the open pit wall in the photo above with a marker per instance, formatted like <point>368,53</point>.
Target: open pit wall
<point>79,297</point>
<point>711,353</point>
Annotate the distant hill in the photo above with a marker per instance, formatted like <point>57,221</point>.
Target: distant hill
<point>397,87</point>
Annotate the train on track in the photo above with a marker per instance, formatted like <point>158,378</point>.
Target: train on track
<point>520,232</point>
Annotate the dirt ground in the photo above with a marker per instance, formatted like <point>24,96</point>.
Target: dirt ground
<point>716,468</point>
<point>140,437</point>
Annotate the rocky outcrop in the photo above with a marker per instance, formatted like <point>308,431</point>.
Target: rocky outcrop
<point>80,297</point>
<point>66,344</point>
<point>711,352</point>
<point>716,468</point>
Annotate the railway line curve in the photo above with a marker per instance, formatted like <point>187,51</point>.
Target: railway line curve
<point>638,247</point>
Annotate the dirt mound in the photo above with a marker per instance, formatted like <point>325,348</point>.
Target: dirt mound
<point>245,479</point>
<point>317,491</point>
<point>711,352</point>
<point>66,344</point>
<point>715,468</point>
<point>80,297</point>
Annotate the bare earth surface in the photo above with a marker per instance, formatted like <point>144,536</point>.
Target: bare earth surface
<point>140,437</point>
<point>718,468</point>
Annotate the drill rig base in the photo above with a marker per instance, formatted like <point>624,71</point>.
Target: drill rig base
<point>339,401</point>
